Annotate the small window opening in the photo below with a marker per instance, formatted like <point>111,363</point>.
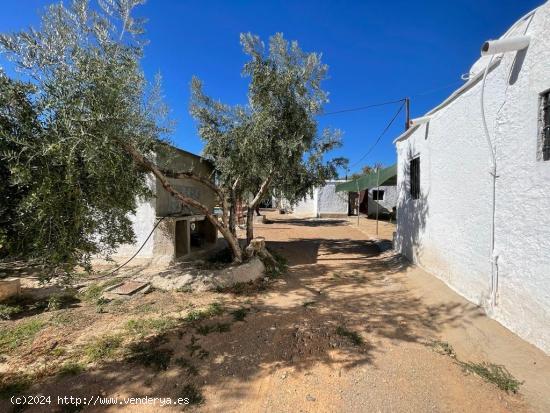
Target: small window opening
<point>415,178</point>
<point>377,195</point>
<point>545,125</point>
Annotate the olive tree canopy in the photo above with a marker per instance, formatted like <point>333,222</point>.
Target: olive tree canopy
<point>271,144</point>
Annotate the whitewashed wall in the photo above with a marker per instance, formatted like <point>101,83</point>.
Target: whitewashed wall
<point>307,206</point>
<point>325,201</point>
<point>447,230</point>
<point>142,222</point>
<point>385,205</point>
<point>330,202</point>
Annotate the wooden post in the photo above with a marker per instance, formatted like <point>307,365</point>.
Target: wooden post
<point>358,201</point>
<point>378,200</point>
<point>407,113</point>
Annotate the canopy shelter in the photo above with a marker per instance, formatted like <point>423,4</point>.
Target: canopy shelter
<point>387,176</point>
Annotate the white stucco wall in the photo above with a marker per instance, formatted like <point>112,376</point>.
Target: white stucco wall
<point>447,230</point>
<point>330,202</point>
<point>142,222</point>
<point>385,205</point>
<point>325,201</point>
<point>307,206</point>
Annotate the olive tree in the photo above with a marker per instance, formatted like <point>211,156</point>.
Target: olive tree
<point>271,144</point>
<point>78,136</point>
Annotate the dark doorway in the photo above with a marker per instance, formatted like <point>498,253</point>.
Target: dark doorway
<point>182,238</point>
<point>364,202</point>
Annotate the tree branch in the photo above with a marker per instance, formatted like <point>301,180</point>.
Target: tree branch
<point>194,177</point>
<point>263,189</point>
<point>150,166</point>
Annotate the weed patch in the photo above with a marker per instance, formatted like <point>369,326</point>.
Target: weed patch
<point>59,301</point>
<point>354,337</point>
<point>8,311</point>
<point>19,334</point>
<point>442,347</point>
<point>213,328</point>
<point>144,308</point>
<point>495,374</point>
<point>212,310</point>
<point>240,314</point>
<point>148,355</point>
<point>195,348</point>
<point>103,347</point>
<point>93,292</point>
<point>13,387</point>
<point>147,326</point>
<point>71,368</point>
<point>279,268</point>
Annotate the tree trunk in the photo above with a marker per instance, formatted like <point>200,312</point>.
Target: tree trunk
<point>233,243</point>
<point>252,206</point>
<point>249,225</point>
<point>232,213</point>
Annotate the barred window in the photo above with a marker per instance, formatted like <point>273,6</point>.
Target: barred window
<point>545,125</point>
<point>414,176</point>
<point>377,195</point>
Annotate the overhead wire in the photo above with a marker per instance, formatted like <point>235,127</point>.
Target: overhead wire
<point>362,107</point>
<point>381,135</point>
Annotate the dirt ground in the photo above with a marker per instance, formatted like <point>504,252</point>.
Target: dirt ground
<point>346,329</point>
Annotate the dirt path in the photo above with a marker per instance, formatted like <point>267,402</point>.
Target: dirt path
<point>342,331</point>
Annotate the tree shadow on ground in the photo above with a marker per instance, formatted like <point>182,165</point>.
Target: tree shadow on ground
<point>296,324</point>
<point>309,222</point>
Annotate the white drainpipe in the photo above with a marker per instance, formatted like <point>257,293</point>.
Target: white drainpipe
<point>491,48</point>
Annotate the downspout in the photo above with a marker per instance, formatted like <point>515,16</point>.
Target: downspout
<point>493,259</point>
<point>492,48</point>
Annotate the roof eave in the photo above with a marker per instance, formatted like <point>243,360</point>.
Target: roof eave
<point>457,93</point>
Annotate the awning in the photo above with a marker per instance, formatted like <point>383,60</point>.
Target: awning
<point>388,176</point>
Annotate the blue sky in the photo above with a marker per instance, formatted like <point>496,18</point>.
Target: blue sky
<point>376,51</point>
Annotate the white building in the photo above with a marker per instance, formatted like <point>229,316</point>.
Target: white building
<point>325,202</point>
<point>445,205</point>
<point>180,230</point>
<point>383,199</point>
